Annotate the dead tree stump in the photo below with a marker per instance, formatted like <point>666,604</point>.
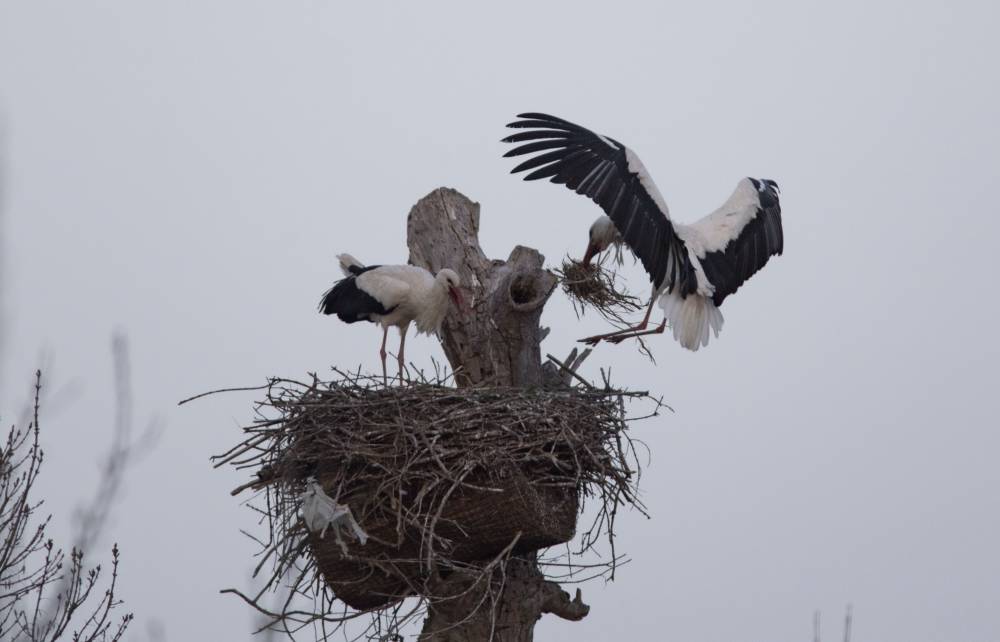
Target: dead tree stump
<point>496,342</point>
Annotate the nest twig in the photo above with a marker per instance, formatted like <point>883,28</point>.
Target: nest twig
<point>414,463</point>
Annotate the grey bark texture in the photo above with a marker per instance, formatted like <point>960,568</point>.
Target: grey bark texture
<point>495,342</point>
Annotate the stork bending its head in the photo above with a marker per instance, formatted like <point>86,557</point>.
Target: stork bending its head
<point>692,268</point>
<point>603,234</point>
<point>392,295</point>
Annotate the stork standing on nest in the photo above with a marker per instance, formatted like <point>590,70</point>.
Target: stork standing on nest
<point>392,295</point>
<point>693,268</point>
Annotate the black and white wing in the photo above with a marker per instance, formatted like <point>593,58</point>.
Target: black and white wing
<point>369,293</point>
<point>735,242</point>
<point>611,175</point>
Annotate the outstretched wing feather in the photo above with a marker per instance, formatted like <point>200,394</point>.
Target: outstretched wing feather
<point>598,167</point>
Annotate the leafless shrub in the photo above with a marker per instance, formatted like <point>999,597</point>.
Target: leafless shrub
<point>123,450</point>
<point>848,624</point>
<point>31,565</point>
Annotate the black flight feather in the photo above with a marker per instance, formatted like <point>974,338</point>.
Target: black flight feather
<point>597,167</point>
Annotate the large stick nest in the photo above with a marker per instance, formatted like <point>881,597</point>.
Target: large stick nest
<point>442,479</point>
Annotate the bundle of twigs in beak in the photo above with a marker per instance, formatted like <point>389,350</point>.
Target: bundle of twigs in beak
<point>596,287</point>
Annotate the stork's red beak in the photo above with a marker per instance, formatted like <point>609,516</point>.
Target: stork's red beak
<point>589,254</point>
<point>457,299</point>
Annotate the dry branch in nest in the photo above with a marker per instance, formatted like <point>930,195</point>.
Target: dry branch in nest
<point>443,482</point>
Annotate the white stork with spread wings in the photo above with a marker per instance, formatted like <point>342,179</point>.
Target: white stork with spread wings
<point>693,268</point>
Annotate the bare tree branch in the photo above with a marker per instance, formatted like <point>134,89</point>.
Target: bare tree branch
<point>31,565</point>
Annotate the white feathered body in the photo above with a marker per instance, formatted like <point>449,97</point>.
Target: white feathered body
<point>409,293</point>
<point>694,318</point>
<point>406,292</point>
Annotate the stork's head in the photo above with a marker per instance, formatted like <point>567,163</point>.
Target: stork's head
<point>448,278</point>
<point>603,234</point>
<point>768,191</point>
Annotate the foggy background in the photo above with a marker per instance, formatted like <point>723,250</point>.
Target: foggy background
<point>185,173</point>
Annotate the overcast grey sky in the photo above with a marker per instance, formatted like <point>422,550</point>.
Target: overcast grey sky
<point>186,171</point>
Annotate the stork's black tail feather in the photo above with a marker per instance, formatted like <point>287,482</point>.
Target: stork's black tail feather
<point>349,302</point>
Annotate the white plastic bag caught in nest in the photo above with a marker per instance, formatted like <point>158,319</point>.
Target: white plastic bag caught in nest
<point>320,511</point>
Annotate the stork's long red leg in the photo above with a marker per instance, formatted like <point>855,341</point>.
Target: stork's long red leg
<point>657,330</point>
<point>381,354</point>
<point>594,340</point>
<point>402,342</point>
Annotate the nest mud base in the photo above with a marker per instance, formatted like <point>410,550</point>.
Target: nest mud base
<point>477,523</point>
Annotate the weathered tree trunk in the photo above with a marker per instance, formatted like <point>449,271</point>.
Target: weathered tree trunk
<point>496,342</point>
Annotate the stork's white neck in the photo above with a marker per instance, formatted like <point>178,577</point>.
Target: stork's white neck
<point>435,306</point>
<point>603,233</point>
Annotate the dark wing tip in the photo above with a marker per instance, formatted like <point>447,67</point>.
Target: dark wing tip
<point>322,308</point>
<point>537,115</point>
<point>536,119</point>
